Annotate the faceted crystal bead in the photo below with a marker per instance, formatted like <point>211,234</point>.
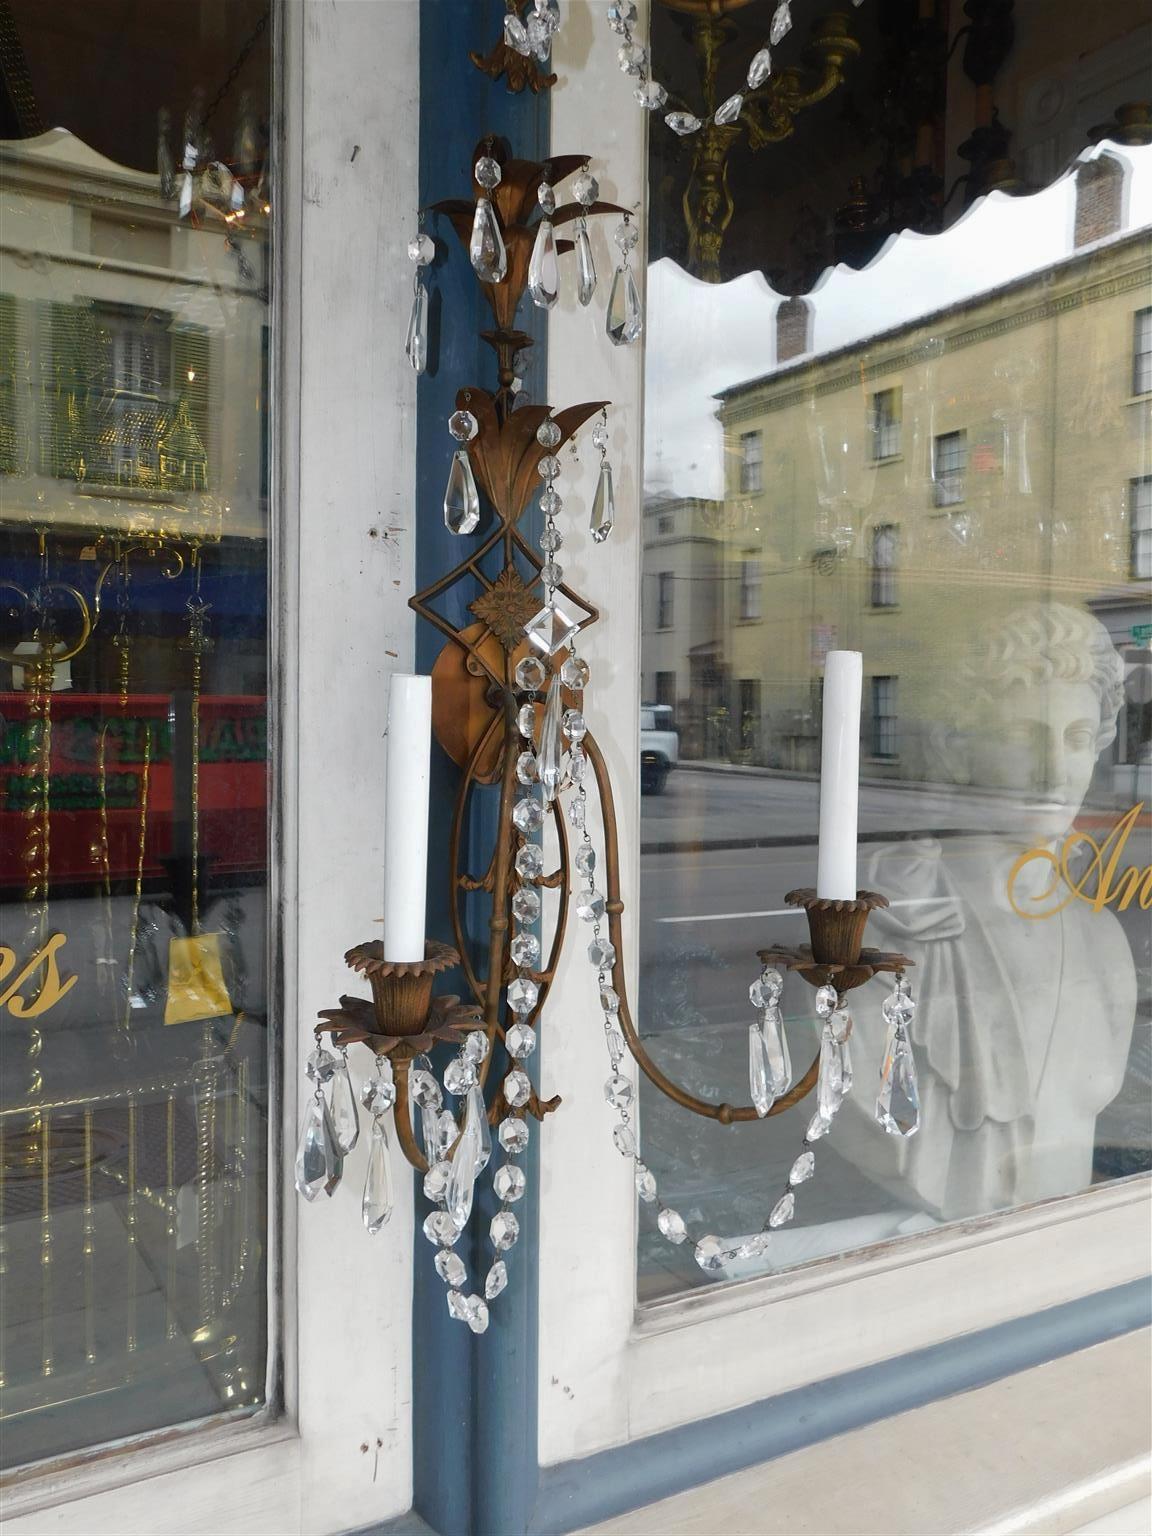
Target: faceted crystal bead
<point>457,1306</point>
<point>378,1094</point>
<point>551,539</point>
<point>552,574</point>
<point>753,1247</point>
<point>585,860</point>
<point>728,111</point>
<point>552,629</point>
<point>476,1046</point>
<point>758,1071</point>
<point>546,197</point>
<point>683,123</point>
<point>586,189</point>
<point>625,319</point>
<point>711,1253</point>
<point>486,247</point>
<point>488,172</point>
<point>416,345</point>
<point>817,1127</point>
<point>517,1089</point>
<point>504,1230</point>
<point>462,1177</point>
<point>898,1104</point>
<point>827,1001</point>
<point>624,1140</point>
<point>342,1108</point>
<point>765,990</point>
<point>539,37</point>
<point>802,1169</point>
<point>609,999</point>
<point>632,58</point>
<point>544,267</point>
<point>577,763</point>
<point>548,467</point>
<point>521,1041</point>
<point>548,434</point>
<point>590,906</point>
<point>645,1183</point>
<point>650,95</point>
<point>627,238</point>
<point>600,435</point>
<point>585,266</point>
<point>522,993</point>
<point>530,673</point>
<point>516,34</point>
<point>436,1179</point>
<point>525,951</point>
<point>602,953</point>
<point>528,815</point>
<point>321,1065</point>
<point>619,1091</point>
<point>783,1211</point>
<point>621,15</point>
<point>424,1089</point>
<point>496,1280</point>
<point>575,726</point>
<point>509,1183</point>
<point>376,1205</point>
<point>898,1010</point>
<point>603,516</point>
<point>614,1039</point>
<point>781,23</point>
<point>513,1134</point>
<point>463,426</point>
<point>461,498</point>
<point>550,763</point>
<point>671,1224</point>
<point>440,1228</point>
<point>529,861</point>
<point>421,250</point>
<point>759,69</point>
<point>576,814</point>
<point>459,1076</point>
<point>311,1160</point>
<point>574,674</point>
<point>526,720</point>
<point>525,909</point>
<point>450,1267</point>
<point>477,1315</point>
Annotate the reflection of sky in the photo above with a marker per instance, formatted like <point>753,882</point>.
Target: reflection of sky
<point>704,337</point>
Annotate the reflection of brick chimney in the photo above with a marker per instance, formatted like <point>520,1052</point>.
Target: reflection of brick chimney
<point>793,329</point>
<point>1099,199</point>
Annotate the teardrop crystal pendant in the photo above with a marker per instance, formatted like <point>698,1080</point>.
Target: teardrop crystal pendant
<point>758,1071</point>
<point>830,1086</point>
<point>604,505</point>
<point>544,267</point>
<point>585,266</point>
<point>776,1052</point>
<point>416,347</point>
<point>461,499</point>
<point>898,1105</point>
<point>311,1162</point>
<point>462,1179</point>
<point>478,1114</point>
<point>376,1206</point>
<point>486,247</point>
<point>625,319</point>
<point>342,1107</point>
<point>551,752</point>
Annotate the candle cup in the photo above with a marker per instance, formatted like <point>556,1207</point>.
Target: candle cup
<point>836,955</point>
<point>401,989</point>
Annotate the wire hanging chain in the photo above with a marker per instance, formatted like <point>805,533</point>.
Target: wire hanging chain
<point>241,60</point>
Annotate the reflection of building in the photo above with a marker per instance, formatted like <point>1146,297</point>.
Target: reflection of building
<point>920,483</point>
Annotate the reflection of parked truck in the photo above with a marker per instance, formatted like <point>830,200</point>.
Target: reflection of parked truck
<point>659,747</point>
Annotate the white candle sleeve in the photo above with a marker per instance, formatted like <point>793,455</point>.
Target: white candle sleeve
<point>406,816</point>
<point>839,776</point>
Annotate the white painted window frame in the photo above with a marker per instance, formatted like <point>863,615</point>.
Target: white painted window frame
<point>611,1372</point>
<point>334,1452</point>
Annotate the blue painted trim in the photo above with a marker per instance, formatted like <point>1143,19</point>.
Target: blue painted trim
<point>579,1493</point>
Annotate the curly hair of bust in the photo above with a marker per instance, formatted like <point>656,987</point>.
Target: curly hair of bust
<point>1042,643</point>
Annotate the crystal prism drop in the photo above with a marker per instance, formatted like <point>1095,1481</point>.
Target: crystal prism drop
<point>728,111</point>
<point>496,1280</point>
<point>776,1052</point>
<point>625,320</point>
<point>311,1164</point>
<point>333,1156</point>
<point>551,629</point>
<point>461,500</point>
<point>478,1115</point>
<point>803,1168</point>
<point>376,1206</point>
<point>604,504</point>
<point>516,34</point>
<point>462,1179</point>
<point>758,1071</point>
<point>585,267</point>
<point>416,347</point>
<point>544,267</point>
<point>781,23</point>
<point>830,1089</point>
<point>552,740</point>
<point>486,247</point>
<point>759,69</point>
<point>898,1105</point>
<point>342,1107</point>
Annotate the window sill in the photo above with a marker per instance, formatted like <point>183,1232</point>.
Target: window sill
<point>876,608</point>
<point>891,458</point>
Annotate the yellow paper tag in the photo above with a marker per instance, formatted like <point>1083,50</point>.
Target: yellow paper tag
<point>196,988</point>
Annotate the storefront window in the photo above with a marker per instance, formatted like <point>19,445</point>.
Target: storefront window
<point>896,402</point>
<point>136,209</point>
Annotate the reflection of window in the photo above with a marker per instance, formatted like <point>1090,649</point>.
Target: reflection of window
<point>884,550</point>
<point>666,688</point>
<point>751,463</point>
<point>884,716</point>
<point>665,523</point>
<point>7,384</point>
<point>949,461</point>
<point>1140,509</point>
<point>1142,353</point>
<point>664,602</point>
<point>750,585</point>
<point>886,424</point>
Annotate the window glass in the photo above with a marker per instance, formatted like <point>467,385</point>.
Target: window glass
<point>896,347</point>
<point>134,346</point>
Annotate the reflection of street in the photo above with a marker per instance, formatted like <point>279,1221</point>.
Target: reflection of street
<point>729,847</point>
